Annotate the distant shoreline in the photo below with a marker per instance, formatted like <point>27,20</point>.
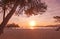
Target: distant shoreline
<point>33,27</point>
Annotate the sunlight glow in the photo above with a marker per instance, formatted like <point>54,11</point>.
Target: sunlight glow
<point>32,24</point>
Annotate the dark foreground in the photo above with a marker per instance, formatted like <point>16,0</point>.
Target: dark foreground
<point>30,34</point>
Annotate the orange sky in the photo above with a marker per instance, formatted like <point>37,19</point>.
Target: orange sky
<point>45,19</point>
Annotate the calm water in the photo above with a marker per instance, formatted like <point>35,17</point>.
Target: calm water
<point>40,33</point>
<point>33,28</point>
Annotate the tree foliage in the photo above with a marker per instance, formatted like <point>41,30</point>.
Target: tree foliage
<point>57,18</point>
<point>12,25</point>
<point>30,7</point>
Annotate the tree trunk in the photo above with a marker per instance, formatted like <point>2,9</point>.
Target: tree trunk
<point>4,12</point>
<point>6,19</point>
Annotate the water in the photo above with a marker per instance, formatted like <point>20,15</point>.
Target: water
<point>33,28</point>
<point>40,33</point>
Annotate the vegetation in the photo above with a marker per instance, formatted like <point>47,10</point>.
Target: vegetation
<point>30,7</point>
<point>12,25</point>
<point>57,18</point>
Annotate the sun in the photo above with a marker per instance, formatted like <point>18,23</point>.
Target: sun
<point>32,23</point>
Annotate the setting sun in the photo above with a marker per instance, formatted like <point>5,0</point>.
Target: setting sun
<point>32,23</point>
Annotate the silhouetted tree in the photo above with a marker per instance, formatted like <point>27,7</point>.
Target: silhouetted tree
<point>57,20</point>
<point>12,25</point>
<point>30,7</point>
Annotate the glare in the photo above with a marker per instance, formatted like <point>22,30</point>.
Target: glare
<point>31,27</point>
<point>32,24</point>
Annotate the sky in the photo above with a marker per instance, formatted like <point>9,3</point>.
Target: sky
<point>53,9</point>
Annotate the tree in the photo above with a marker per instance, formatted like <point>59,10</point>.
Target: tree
<point>12,25</point>
<point>57,20</point>
<point>30,7</point>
